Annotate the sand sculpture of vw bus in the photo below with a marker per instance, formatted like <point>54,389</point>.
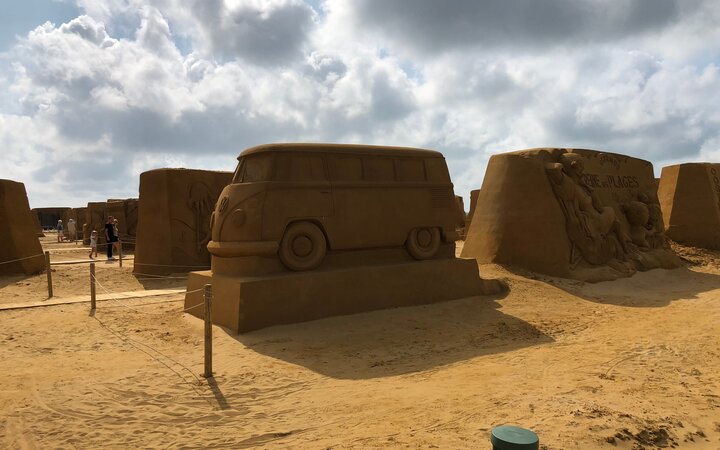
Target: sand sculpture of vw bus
<point>301,201</point>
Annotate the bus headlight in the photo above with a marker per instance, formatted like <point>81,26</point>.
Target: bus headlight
<point>238,217</point>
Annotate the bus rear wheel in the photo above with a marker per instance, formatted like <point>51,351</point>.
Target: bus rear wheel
<point>423,243</point>
<point>303,246</point>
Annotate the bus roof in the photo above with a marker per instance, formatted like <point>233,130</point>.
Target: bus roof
<point>342,148</point>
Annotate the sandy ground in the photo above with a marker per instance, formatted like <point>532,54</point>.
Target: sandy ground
<point>627,364</point>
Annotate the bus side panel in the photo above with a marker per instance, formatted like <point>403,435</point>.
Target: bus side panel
<point>287,202</point>
<point>369,215</point>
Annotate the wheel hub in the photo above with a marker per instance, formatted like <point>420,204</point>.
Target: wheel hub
<point>302,246</point>
<point>424,238</point>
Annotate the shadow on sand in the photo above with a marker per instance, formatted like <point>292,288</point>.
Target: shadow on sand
<point>397,341</point>
<point>150,282</point>
<point>654,288</point>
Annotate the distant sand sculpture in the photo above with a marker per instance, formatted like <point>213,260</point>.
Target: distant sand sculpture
<point>468,218</point>
<point>77,215</point>
<point>690,199</point>
<point>573,213</point>
<point>173,219</point>
<point>307,231</point>
<point>49,217</point>
<point>462,216</point>
<point>18,231</point>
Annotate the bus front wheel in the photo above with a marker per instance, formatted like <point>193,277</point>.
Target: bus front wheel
<point>303,246</point>
<point>423,243</point>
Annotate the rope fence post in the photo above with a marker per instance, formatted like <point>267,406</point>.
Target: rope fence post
<point>48,269</point>
<point>120,252</point>
<point>208,330</point>
<point>92,286</point>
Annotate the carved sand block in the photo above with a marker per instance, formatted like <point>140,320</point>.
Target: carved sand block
<point>173,224</point>
<point>19,232</point>
<point>690,199</point>
<point>572,213</point>
<point>38,227</point>
<point>94,220</point>
<point>307,231</point>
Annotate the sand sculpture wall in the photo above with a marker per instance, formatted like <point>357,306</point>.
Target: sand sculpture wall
<point>36,221</point>
<point>77,215</point>
<point>94,220</point>
<point>49,216</point>
<point>572,213</point>
<point>18,231</point>
<point>462,215</point>
<point>473,203</point>
<point>689,195</point>
<point>126,212</point>
<point>174,219</point>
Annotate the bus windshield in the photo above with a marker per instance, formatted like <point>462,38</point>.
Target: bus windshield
<point>254,168</point>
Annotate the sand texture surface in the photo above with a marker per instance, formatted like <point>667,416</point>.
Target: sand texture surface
<point>628,364</point>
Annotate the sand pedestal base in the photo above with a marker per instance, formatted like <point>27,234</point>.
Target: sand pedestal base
<point>249,303</point>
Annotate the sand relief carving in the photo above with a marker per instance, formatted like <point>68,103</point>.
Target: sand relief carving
<point>592,228</point>
<point>596,234</point>
<point>191,237</point>
<point>173,219</point>
<point>574,213</point>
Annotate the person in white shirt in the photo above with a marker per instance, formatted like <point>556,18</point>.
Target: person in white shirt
<point>93,243</point>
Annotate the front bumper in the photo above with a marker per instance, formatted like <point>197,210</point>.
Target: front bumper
<point>249,248</point>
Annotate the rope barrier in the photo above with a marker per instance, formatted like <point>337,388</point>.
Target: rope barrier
<point>22,259</point>
<point>152,275</point>
<point>130,340</point>
<point>146,304</point>
<point>170,265</point>
<point>193,307</point>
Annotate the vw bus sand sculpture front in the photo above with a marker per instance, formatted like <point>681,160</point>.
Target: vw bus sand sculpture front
<point>313,230</point>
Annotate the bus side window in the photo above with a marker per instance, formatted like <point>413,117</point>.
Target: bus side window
<point>347,169</point>
<point>300,168</point>
<point>410,169</point>
<point>437,170</point>
<point>379,169</point>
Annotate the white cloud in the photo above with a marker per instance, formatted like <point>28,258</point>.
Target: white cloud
<point>137,84</point>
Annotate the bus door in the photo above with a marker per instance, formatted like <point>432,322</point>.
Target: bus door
<point>300,190</point>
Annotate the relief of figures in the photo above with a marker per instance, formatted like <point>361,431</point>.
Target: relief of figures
<point>599,234</point>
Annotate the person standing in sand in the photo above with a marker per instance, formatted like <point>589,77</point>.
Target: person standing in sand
<point>60,231</point>
<point>116,233</point>
<point>93,243</point>
<point>110,238</point>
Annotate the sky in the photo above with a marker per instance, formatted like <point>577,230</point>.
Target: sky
<point>95,92</point>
